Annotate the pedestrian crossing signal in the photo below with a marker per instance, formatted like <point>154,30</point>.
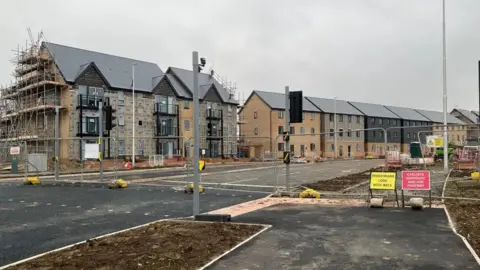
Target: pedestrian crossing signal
<point>286,137</point>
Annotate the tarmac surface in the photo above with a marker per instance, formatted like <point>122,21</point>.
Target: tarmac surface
<point>266,178</point>
<point>321,237</point>
<point>36,219</point>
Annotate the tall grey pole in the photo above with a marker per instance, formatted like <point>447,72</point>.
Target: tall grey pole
<point>287,143</point>
<point>445,128</point>
<point>133,118</point>
<point>196,136</point>
<point>100,137</point>
<point>57,143</point>
<point>335,128</point>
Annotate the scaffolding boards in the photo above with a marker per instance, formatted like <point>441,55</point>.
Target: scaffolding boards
<point>27,105</point>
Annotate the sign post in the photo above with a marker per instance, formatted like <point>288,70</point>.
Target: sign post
<point>416,180</point>
<point>383,181</point>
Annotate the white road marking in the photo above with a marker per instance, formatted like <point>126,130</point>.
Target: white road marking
<point>245,180</point>
<point>319,170</point>
<point>283,174</point>
<point>220,184</point>
<point>110,210</point>
<point>63,205</point>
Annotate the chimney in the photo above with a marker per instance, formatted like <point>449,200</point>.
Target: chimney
<point>211,73</point>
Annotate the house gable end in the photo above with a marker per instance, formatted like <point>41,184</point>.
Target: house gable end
<point>212,95</point>
<point>91,76</point>
<point>164,88</point>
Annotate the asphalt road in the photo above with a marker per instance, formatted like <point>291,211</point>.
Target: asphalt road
<point>314,237</point>
<point>266,179</point>
<point>35,219</point>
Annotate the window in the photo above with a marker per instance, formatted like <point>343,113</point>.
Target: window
<point>388,134</point>
<point>373,133</point>
<point>340,118</point>
<point>280,114</point>
<point>394,122</point>
<point>254,115</point>
<point>408,135</point>
<point>312,131</point>
<point>332,147</point>
<point>256,131</point>
<point>312,116</point>
<point>186,123</point>
<point>186,104</point>
<point>357,148</point>
<point>458,137</point>
<point>121,147</point>
<point>280,146</point>
<point>388,121</point>
<point>140,122</point>
<point>349,133</point>
<point>406,123</point>
<point>358,134</point>
<point>302,130</point>
<point>312,147</point>
<point>91,125</point>
<point>380,121</point>
<point>121,98</point>
<point>374,147</point>
<point>394,134</point>
<point>332,118</point>
<point>340,132</point>
<point>358,119</point>
<point>303,116</point>
<point>381,134</point>
<point>331,132</point>
<point>415,136</point>
<point>230,108</point>
<point>292,130</point>
<point>349,119</point>
<point>373,120</point>
<point>280,130</point>
<point>292,148</point>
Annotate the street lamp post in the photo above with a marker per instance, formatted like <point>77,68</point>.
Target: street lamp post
<point>445,128</point>
<point>335,128</point>
<point>133,118</point>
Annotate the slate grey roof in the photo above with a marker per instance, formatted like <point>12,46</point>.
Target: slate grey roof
<point>331,106</point>
<point>374,110</point>
<point>407,113</point>
<point>206,81</point>
<point>116,70</point>
<point>437,117</point>
<point>468,114</point>
<point>277,101</point>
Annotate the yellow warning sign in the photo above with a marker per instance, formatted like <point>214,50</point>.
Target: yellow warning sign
<point>201,165</point>
<point>383,180</point>
<point>434,141</point>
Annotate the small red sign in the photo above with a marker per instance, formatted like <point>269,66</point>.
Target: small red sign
<point>415,180</point>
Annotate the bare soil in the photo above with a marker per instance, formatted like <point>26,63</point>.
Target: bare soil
<point>461,173</point>
<point>465,214</point>
<point>163,245</point>
<point>343,182</point>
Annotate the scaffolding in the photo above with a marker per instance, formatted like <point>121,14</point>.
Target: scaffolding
<point>27,106</point>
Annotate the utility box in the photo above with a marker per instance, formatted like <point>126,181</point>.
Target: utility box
<point>14,165</point>
<point>415,150</point>
<point>37,163</point>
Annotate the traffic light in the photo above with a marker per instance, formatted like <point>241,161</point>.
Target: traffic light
<point>296,107</point>
<point>209,129</point>
<point>109,117</point>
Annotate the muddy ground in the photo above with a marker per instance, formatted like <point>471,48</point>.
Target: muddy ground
<point>465,214</point>
<point>342,182</point>
<point>162,245</point>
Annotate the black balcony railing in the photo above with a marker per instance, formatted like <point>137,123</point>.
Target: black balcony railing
<point>214,114</point>
<point>90,101</point>
<point>166,109</point>
<point>215,133</point>
<point>166,131</point>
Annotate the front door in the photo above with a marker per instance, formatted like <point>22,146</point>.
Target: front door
<point>349,150</point>
<point>302,150</point>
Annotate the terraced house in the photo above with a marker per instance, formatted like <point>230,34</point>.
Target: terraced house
<point>349,125</point>
<point>457,130</point>
<point>377,119</point>
<point>264,113</point>
<point>472,120</point>
<point>413,127</point>
<point>79,80</point>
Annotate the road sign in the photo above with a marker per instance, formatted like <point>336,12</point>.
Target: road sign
<point>382,180</point>
<point>415,180</point>
<point>15,150</point>
<point>434,141</point>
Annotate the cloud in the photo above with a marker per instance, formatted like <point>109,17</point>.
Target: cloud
<point>387,52</point>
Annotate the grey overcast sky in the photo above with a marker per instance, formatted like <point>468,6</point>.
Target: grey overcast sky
<point>380,51</point>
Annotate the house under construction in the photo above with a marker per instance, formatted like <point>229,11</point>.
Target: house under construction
<point>27,106</point>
